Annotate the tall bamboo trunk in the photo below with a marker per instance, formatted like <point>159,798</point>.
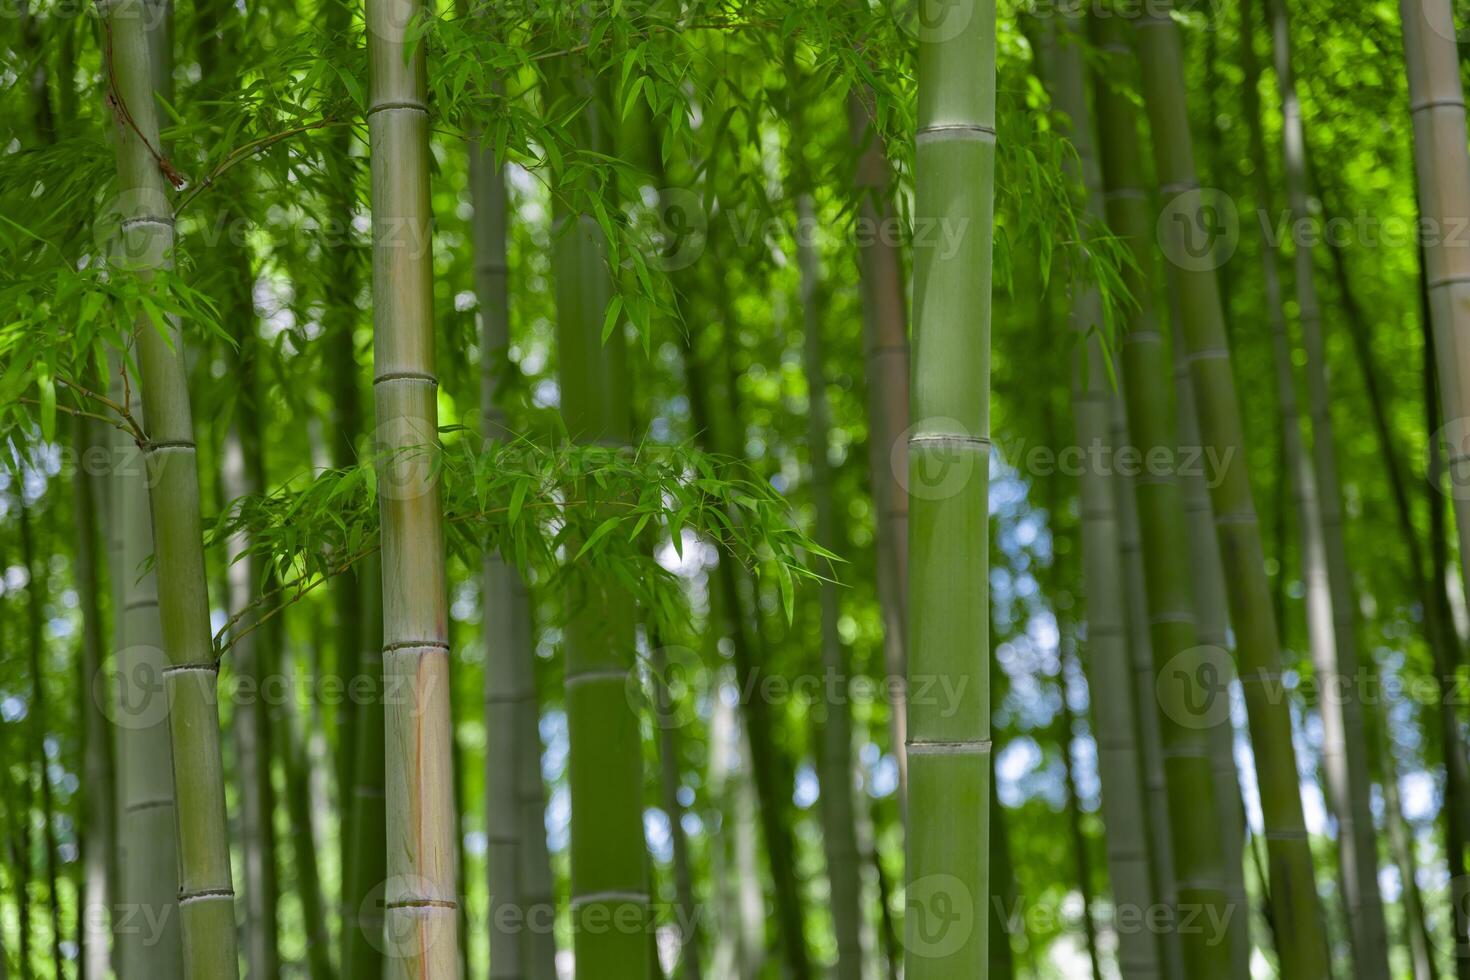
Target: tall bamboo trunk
<point>537,882</point>
<point>1212,621</point>
<point>605,766</point>
<point>1441,617</point>
<point>950,747</point>
<point>1443,645</point>
<point>147,834</point>
<point>1322,623</point>
<point>839,818</point>
<point>1295,906</point>
<point>670,782</point>
<point>1108,665</point>
<point>716,430</point>
<point>1190,718</point>
<point>362,911</point>
<point>886,354</point>
<point>1402,844</point>
<point>1346,750</point>
<point>341,315</point>
<point>509,682</point>
<point>253,734</point>
<point>99,823</point>
<point>206,892</point>
<point>291,749</point>
<point>421,903</point>
<point>1158,833</point>
<point>36,619</point>
<point>1442,165</point>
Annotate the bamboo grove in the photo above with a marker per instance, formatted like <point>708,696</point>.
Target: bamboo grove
<point>761,488</point>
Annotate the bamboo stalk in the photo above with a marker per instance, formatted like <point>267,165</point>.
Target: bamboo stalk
<point>1109,670</point>
<point>36,598</point>
<point>1323,620</point>
<point>99,823</point>
<point>537,882</point>
<point>886,353</point>
<point>1158,834</point>
<point>148,877</point>
<point>1199,851</point>
<point>1442,165</point>
<point>1295,907</point>
<point>1401,843</point>
<point>362,914</point>
<point>1210,605</point>
<point>206,892</point>
<point>509,682</point>
<point>421,904</point>
<point>605,765</point>
<point>341,286</point>
<point>1345,743</point>
<point>1440,617</point>
<point>670,782</point>
<point>716,430</point>
<point>253,734</point>
<point>950,749</point>
<point>839,818</point>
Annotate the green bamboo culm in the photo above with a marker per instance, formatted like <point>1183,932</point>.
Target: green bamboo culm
<point>99,889</point>
<point>420,900</point>
<point>839,821</point>
<point>1108,666</point>
<point>1296,908</point>
<point>1198,846</point>
<point>886,357</point>
<point>1347,761</point>
<point>509,678</point>
<point>609,864</point>
<point>206,893</point>
<point>1442,165</point>
<point>1442,169</point>
<point>148,876</point>
<point>949,746</point>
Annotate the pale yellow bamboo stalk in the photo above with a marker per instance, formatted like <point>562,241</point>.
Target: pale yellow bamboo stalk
<point>421,901</point>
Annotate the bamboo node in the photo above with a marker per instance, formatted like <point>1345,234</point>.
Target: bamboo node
<point>963,131</point>
<point>209,667</point>
<point>206,895</point>
<point>405,106</point>
<point>978,746</point>
<point>1417,107</point>
<point>420,376</point>
<point>415,645</point>
<point>164,445</point>
<point>608,896</point>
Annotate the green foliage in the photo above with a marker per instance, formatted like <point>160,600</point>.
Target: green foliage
<point>534,505</point>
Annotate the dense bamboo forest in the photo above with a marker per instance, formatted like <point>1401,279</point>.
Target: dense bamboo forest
<point>734,489</point>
